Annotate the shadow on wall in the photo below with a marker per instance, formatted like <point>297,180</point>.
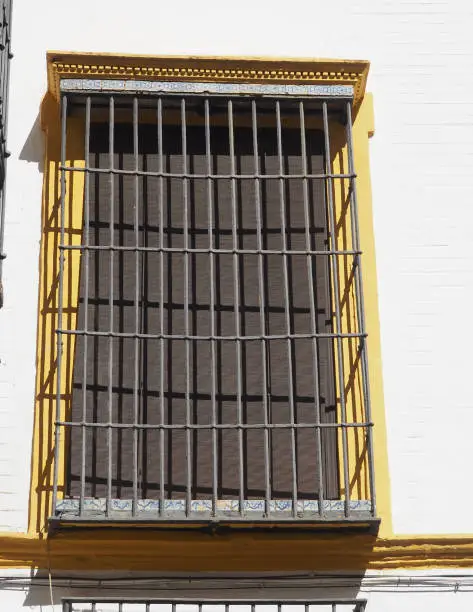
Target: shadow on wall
<point>220,586</point>
<point>43,450</point>
<point>33,149</point>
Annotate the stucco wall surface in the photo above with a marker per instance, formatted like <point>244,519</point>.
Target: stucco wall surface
<point>387,591</point>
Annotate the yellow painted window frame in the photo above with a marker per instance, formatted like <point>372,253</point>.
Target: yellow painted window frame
<point>262,70</point>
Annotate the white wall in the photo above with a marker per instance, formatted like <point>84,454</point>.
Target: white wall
<point>386,591</point>
<point>422,155</point>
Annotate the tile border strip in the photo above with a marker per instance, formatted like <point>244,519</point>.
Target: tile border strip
<point>205,505</point>
<point>188,87</point>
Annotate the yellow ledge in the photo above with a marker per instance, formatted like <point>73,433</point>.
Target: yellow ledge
<point>100,549</point>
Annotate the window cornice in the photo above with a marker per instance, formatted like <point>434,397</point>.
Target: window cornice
<point>62,65</point>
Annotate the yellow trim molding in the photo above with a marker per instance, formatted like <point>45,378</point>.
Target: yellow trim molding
<point>99,549</point>
<point>64,65</point>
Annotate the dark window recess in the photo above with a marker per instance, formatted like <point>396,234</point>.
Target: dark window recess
<point>5,57</point>
<point>203,379</point>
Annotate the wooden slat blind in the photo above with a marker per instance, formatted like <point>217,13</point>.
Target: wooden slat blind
<point>279,387</point>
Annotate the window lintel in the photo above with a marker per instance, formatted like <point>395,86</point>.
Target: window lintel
<point>70,65</point>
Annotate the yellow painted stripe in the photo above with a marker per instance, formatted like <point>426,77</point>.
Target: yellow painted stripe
<point>100,549</point>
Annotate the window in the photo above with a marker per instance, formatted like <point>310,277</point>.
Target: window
<point>5,57</point>
<point>137,605</point>
<point>202,338</point>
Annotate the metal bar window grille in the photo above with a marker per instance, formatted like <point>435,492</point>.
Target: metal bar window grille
<point>5,57</point>
<point>153,605</point>
<point>211,339</point>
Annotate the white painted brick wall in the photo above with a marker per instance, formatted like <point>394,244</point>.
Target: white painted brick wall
<point>388,591</point>
<point>421,159</point>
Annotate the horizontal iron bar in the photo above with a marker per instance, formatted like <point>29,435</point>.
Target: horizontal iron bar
<point>90,247</point>
<point>355,517</point>
<point>188,175</point>
<point>107,334</point>
<point>216,426</point>
<point>356,520</point>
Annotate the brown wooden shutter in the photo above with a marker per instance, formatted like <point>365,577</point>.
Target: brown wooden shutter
<point>97,377</point>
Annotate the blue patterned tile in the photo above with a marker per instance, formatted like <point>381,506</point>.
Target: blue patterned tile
<point>67,505</point>
<point>121,505</point>
<point>148,505</point>
<point>201,505</point>
<point>228,505</point>
<point>223,506</point>
<point>131,85</point>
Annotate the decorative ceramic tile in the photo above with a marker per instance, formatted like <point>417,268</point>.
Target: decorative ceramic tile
<point>228,505</point>
<point>224,506</point>
<point>183,87</point>
<point>121,505</point>
<point>68,505</point>
<point>201,505</point>
<point>148,505</point>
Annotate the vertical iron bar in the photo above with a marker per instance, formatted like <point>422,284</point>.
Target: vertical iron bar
<point>86,298</point>
<point>186,306</point>
<point>212,310</point>
<point>236,280</point>
<point>333,257</point>
<point>2,228</point>
<point>262,302</point>
<point>4,109</point>
<point>57,431</point>
<point>360,307</point>
<point>159,111</point>
<point>3,69</point>
<point>313,312</point>
<point>287,309</point>
<point>111,126</point>
<point>137,312</point>
<point>3,63</point>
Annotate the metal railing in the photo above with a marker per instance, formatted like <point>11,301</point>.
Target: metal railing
<point>337,337</point>
<point>212,605</point>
